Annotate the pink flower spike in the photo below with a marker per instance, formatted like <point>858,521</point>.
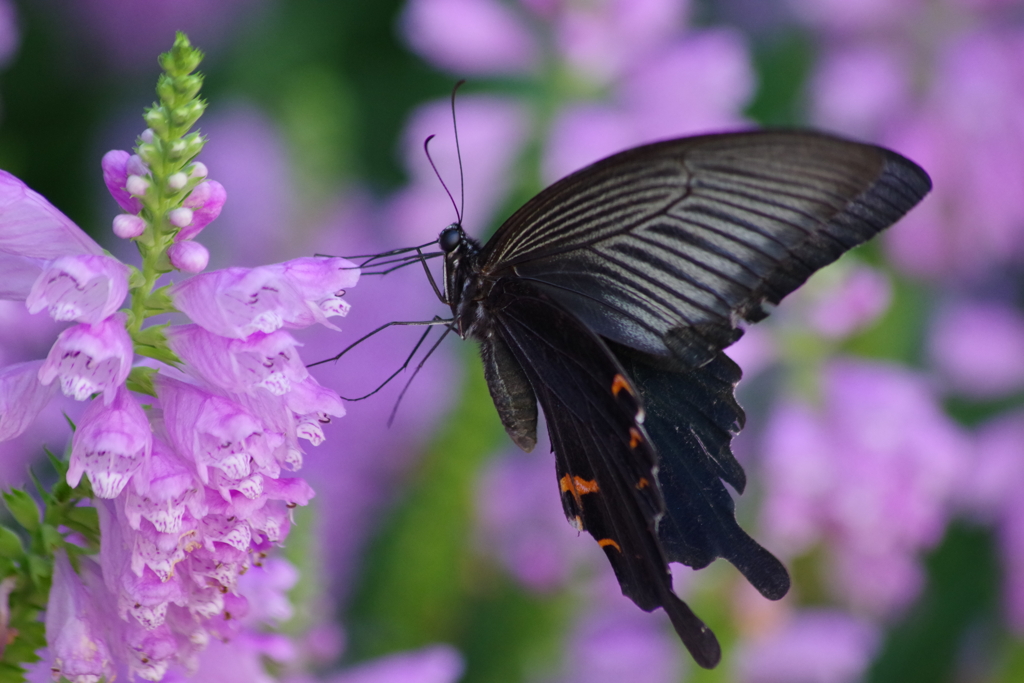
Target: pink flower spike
<point>22,397</point>
<point>86,288</point>
<point>74,630</point>
<point>189,257</point>
<point>112,443</point>
<point>206,201</point>
<point>239,366</point>
<point>31,226</point>
<point>126,226</point>
<point>115,175</point>
<point>90,359</point>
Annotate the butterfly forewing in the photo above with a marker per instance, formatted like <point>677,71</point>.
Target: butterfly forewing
<point>665,247</point>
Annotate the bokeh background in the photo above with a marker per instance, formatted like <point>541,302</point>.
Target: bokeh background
<point>885,434</point>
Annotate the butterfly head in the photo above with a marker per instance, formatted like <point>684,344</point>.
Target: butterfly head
<point>451,238</point>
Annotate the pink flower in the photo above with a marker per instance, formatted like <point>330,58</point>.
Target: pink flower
<point>32,227</point>
<point>432,664</point>
<point>171,489</point>
<point>603,40</point>
<point>188,257</point>
<point>492,132</point>
<point>115,175</point>
<point>849,302</point>
<point>22,397</point>
<point>87,288</point>
<point>206,201</point>
<point>217,433</point>
<point>111,444</point>
<point>815,646</point>
<point>90,359</point>
<point>235,302</point>
<point>263,360</point>
<point>978,347</point>
<point>492,38</point>
<point>522,523</point>
<point>128,226</point>
<point>878,448</point>
<point>75,630</point>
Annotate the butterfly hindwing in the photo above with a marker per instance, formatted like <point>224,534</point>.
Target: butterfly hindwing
<point>605,462</point>
<point>691,418</point>
<point>665,247</point>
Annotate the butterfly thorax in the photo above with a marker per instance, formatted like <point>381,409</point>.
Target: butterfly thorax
<point>462,283</point>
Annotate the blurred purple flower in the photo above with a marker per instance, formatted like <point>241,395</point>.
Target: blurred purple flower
<point>851,16</point>
<point>601,40</point>
<point>127,34</point>
<point>611,643</point>
<point>492,132</point>
<point>696,84</point>
<point>251,158</point>
<point>433,664</point>
<point>470,37</point>
<point>858,88</point>
<point>878,448</point>
<point>815,646</point>
<point>847,302</point>
<point>968,134</point>
<point>979,348</point>
<point>521,521</point>
<point>10,37</point>
<point>991,494</point>
<point>959,120</point>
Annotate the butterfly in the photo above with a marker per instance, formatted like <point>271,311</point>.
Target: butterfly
<point>608,299</point>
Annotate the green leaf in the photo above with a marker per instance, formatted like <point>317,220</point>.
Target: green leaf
<point>85,521</point>
<point>31,638</point>
<point>157,302</point>
<point>11,673</point>
<point>24,508</point>
<point>140,380</point>
<point>10,543</point>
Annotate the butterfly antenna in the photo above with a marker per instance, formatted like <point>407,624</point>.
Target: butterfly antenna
<point>458,152</point>
<point>426,150</point>
<point>398,402</point>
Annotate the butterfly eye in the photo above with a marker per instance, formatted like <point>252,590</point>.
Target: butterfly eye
<point>450,238</point>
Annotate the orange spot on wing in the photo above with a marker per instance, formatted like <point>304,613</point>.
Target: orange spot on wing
<point>635,437</point>
<point>643,483</point>
<point>578,486</point>
<point>620,383</point>
<point>605,542</point>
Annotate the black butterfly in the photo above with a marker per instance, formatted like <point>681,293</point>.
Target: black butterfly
<point>608,299</point>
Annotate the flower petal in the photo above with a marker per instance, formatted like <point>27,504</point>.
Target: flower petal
<point>31,226</point>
